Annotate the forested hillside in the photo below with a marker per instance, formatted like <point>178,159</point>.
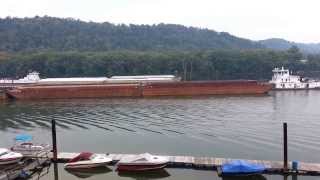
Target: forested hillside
<point>49,33</point>
<point>58,47</point>
<point>281,44</point>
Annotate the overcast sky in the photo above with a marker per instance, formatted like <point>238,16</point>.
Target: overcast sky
<point>294,20</point>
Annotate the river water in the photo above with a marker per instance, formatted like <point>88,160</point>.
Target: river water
<point>248,127</point>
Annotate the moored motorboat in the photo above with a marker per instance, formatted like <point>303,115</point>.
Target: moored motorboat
<point>87,160</point>
<point>9,157</point>
<point>25,146</point>
<point>142,162</point>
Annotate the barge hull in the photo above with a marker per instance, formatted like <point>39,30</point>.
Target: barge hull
<point>75,91</point>
<point>205,88</point>
<point>191,88</point>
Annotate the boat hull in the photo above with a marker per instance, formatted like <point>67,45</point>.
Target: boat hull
<point>30,149</point>
<point>9,161</point>
<point>188,88</point>
<point>75,91</point>
<point>140,167</point>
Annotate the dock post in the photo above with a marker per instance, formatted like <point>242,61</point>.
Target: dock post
<point>54,140</point>
<point>285,148</point>
<point>55,171</point>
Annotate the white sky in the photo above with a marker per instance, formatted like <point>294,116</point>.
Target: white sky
<point>294,20</point>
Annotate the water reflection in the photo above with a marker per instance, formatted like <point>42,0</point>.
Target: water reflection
<point>249,177</point>
<point>55,171</point>
<point>145,175</point>
<point>160,174</point>
<point>86,173</point>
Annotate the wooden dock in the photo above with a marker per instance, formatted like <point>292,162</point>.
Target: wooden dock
<point>212,163</point>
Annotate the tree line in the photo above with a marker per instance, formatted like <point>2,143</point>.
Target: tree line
<point>190,65</point>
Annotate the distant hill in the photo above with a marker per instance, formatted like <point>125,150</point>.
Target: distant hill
<point>67,34</point>
<point>43,33</point>
<point>281,44</point>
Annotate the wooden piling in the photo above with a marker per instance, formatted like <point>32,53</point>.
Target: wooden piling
<point>55,171</point>
<point>54,140</point>
<point>285,148</point>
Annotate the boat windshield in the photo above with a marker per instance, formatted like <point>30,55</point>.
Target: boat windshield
<point>93,156</point>
<point>4,153</point>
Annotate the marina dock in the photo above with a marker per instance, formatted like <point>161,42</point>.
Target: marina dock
<point>212,163</point>
<point>284,167</point>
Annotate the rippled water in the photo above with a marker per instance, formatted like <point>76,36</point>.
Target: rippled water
<point>234,127</point>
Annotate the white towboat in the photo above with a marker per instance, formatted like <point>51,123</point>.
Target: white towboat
<point>9,157</point>
<point>142,162</point>
<point>282,80</point>
<point>87,160</point>
<point>25,146</point>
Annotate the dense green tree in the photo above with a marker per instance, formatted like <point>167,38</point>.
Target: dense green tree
<point>49,33</point>
<point>190,65</point>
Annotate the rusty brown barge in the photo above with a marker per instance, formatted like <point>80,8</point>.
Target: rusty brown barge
<point>141,89</point>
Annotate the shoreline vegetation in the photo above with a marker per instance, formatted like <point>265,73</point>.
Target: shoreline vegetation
<point>191,65</point>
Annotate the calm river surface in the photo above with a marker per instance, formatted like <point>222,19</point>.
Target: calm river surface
<point>248,127</point>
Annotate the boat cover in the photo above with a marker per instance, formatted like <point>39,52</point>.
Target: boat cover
<point>146,157</point>
<point>241,167</point>
<point>143,158</point>
<point>23,137</point>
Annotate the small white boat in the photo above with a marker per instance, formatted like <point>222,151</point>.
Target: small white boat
<point>25,146</point>
<point>87,160</point>
<point>142,162</point>
<point>9,157</point>
<point>29,149</point>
